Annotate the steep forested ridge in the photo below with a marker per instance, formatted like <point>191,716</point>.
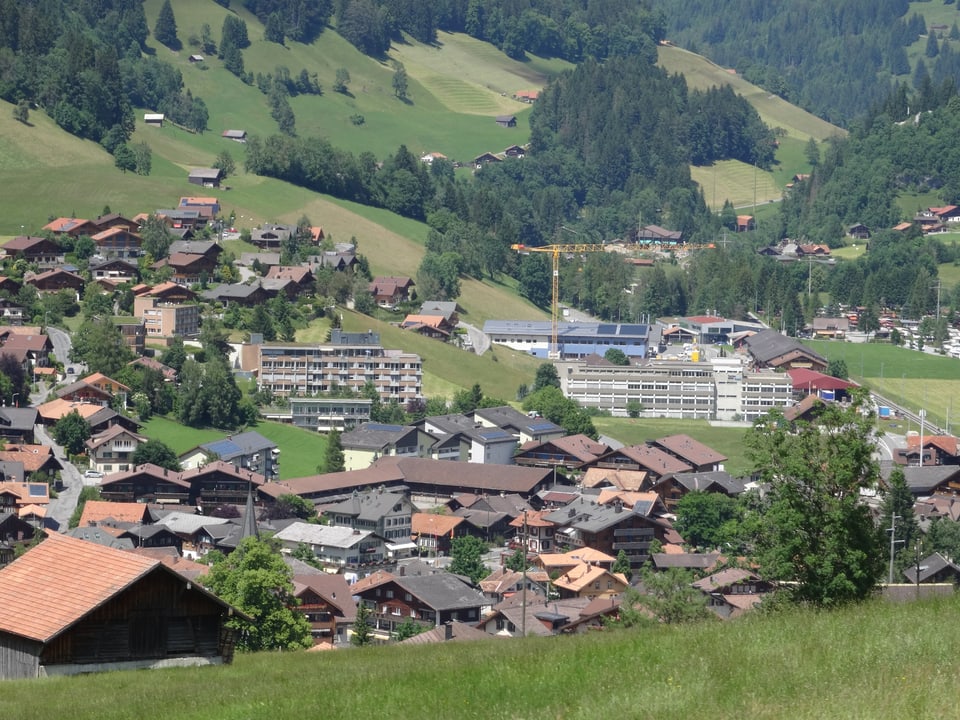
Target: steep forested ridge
<point>569,29</point>
<point>82,61</point>
<point>836,59</point>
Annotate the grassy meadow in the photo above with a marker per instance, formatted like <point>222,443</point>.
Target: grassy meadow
<point>776,112</point>
<point>725,440</point>
<point>910,378</point>
<point>801,664</point>
<point>301,451</point>
<point>446,368</point>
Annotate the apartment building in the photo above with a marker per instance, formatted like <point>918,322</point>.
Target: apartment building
<point>349,360</point>
<point>719,390</point>
<point>326,414</point>
<point>163,319</point>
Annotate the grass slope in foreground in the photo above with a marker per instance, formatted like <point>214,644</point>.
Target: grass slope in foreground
<point>849,663</point>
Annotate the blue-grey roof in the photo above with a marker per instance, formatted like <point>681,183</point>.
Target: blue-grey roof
<point>442,591</point>
<point>639,332</point>
<point>238,445</point>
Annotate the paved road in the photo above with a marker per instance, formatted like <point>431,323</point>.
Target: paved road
<point>479,340</point>
<point>61,508</point>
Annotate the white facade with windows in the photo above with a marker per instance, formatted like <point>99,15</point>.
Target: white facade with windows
<point>718,390</point>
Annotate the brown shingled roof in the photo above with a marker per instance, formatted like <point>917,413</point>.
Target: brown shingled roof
<point>690,450</point>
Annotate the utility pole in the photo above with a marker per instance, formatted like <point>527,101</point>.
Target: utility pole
<point>923,414</point>
<point>893,543</point>
<point>523,589</point>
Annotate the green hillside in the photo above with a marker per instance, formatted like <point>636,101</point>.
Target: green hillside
<point>732,180</point>
<point>876,661</point>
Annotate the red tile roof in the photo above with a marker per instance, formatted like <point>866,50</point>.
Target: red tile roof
<point>432,524</point>
<point>96,511</point>
<point>68,578</point>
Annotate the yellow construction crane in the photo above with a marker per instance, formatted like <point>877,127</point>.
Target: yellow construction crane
<point>556,251</point>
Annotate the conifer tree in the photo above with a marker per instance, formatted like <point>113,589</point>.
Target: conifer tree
<point>165,31</point>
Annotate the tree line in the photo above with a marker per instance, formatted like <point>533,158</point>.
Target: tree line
<point>836,60</point>
<point>85,64</point>
<point>570,29</point>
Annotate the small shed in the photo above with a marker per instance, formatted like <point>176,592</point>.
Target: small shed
<point>153,119</point>
<point>114,610</point>
<point>195,58</point>
<point>507,121</point>
<point>235,135</point>
<point>207,177</point>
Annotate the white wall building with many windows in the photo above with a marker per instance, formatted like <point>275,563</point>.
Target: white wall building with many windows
<point>714,390</point>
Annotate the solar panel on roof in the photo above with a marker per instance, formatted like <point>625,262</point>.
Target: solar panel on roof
<point>384,428</point>
<point>223,447</point>
<point>37,490</point>
<point>539,427</point>
<point>642,507</point>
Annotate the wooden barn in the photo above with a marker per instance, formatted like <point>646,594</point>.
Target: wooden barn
<point>72,606</point>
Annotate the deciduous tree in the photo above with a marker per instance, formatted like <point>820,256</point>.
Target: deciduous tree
<point>707,520</point>
<point>400,81</point>
<point>255,579</point>
<point>671,597</point>
<point>467,557</point>
<point>71,431</point>
<point>156,452</point>
<point>815,532</point>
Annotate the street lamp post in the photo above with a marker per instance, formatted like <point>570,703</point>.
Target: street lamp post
<point>15,396</point>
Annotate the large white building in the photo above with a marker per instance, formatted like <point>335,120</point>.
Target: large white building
<point>576,339</point>
<point>349,360</point>
<point>715,390</point>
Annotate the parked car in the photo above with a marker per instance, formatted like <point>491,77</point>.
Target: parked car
<point>91,473</point>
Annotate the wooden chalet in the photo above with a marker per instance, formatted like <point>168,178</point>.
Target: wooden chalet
<point>217,483</point>
<point>39,250</point>
<point>700,457</point>
<point>55,280</point>
<point>73,227</point>
<point>327,603</point>
<point>206,177</point>
<point>389,291</point>
<point>117,242</point>
<point>652,460</point>
<point>114,610</point>
<point>770,349</point>
<point>570,452</point>
<point>671,488</point>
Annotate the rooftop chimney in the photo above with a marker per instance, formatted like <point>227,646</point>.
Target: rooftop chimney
<point>448,631</point>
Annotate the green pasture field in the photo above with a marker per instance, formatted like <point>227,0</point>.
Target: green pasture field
<point>910,378</point>
<point>849,252</point>
<point>801,664</point>
<point>736,181</point>
<point>301,451</point>
<point>438,88</point>
<point>499,371</point>
<point>725,440</point>
<point>949,274</point>
<point>179,437</point>
<point>775,111</point>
